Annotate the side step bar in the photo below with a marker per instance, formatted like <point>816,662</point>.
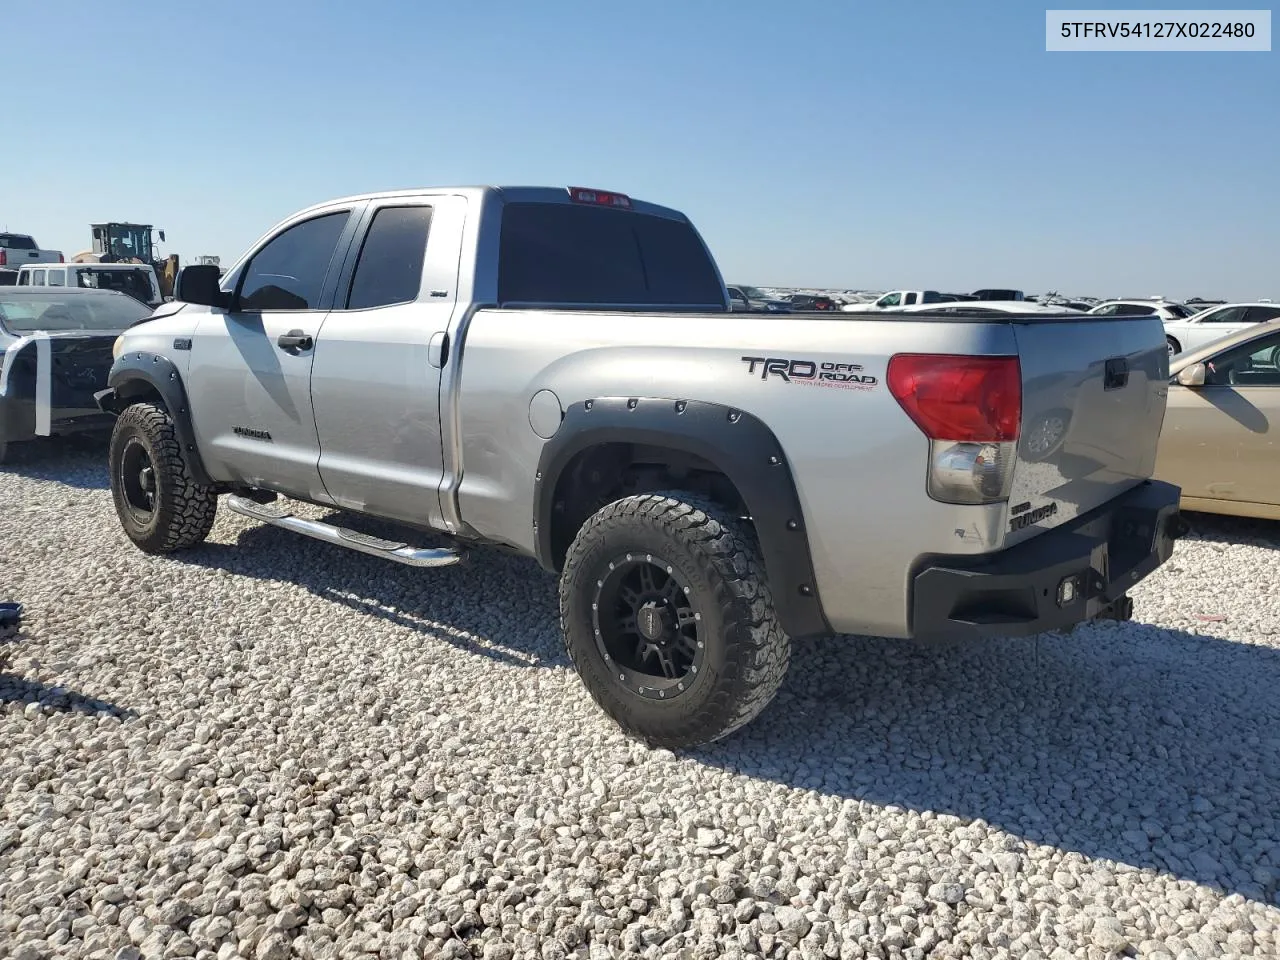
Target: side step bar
<point>279,516</point>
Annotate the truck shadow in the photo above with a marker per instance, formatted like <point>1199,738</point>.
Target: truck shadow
<point>16,689</point>
<point>1155,748</point>
<point>516,624</point>
<point>79,460</point>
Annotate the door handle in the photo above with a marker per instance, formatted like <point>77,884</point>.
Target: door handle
<point>294,341</point>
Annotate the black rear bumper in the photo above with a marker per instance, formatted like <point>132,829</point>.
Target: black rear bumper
<point>1020,591</point>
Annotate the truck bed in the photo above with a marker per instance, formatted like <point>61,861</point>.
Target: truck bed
<point>859,462</point>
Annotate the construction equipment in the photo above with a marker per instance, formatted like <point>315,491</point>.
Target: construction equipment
<point>131,243</point>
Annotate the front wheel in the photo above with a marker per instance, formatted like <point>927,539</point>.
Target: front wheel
<point>160,505</point>
<point>669,621</point>
<point>1174,347</point>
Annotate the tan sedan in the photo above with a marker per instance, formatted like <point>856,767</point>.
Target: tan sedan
<point>1221,437</point>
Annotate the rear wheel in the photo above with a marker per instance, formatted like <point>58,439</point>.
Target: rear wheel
<point>1174,346</point>
<point>668,618</point>
<point>159,503</point>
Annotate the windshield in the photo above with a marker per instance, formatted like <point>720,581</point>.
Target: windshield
<point>753,293</point>
<point>128,241</point>
<point>24,312</point>
<point>1178,310</point>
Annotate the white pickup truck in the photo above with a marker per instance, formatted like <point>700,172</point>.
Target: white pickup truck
<point>556,372</point>
<point>17,250</point>
<point>895,299</point>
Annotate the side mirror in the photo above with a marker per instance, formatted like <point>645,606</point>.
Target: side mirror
<point>198,283</point>
<point>161,232</point>
<point>1192,376</point>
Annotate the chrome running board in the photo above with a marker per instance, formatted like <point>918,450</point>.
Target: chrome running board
<point>279,516</point>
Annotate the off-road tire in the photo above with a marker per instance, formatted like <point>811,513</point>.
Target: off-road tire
<point>184,509</point>
<point>718,556</point>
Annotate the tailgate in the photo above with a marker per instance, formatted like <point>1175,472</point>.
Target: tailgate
<point>1093,400</point>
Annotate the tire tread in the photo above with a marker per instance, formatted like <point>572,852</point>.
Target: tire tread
<point>187,516</point>
<point>758,651</point>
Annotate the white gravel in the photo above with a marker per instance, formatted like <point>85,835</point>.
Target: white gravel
<point>271,748</point>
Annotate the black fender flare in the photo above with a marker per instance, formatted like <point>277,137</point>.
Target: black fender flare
<point>157,372</point>
<point>739,445</point>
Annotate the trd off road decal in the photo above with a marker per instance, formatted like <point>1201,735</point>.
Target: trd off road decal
<point>846,376</point>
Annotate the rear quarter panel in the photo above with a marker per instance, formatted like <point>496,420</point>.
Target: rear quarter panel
<point>858,461</point>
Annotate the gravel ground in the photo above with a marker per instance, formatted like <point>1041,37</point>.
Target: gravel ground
<point>272,748</point>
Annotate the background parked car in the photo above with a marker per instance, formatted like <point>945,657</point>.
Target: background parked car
<point>19,249</point>
<point>988,308</point>
<point>755,300</point>
<point>1220,425</point>
<point>1166,310</point>
<point>804,301</point>
<point>1207,326</point>
<point>56,344</point>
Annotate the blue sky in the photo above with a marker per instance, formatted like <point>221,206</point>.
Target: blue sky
<point>814,143</point>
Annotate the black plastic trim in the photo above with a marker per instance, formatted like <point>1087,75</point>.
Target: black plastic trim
<point>160,373</point>
<point>1014,592</point>
<point>739,445</point>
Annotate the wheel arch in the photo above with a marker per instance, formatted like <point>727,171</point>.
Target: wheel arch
<point>604,442</point>
<point>140,376</point>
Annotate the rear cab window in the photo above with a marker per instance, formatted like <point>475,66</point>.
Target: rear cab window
<point>571,254</point>
<point>17,241</point>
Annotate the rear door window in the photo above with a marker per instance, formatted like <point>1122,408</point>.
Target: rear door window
<point>390,266</point>
<point>57,278</point>
<point>572,254</point>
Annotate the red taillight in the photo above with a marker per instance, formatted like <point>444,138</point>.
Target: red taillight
<point>60,260</point>
<point>600,198</point>
<point>959,398</point>
<point>4,257</point>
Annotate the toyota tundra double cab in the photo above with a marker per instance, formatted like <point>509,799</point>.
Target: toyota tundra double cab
<point>557,372</point>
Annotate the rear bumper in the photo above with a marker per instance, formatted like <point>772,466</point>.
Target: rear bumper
<point>1020,591</point>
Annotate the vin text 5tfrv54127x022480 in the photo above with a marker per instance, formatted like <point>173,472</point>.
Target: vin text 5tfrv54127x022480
<point>557,372</point>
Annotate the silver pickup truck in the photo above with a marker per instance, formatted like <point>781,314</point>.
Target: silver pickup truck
<point>556,372</point>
